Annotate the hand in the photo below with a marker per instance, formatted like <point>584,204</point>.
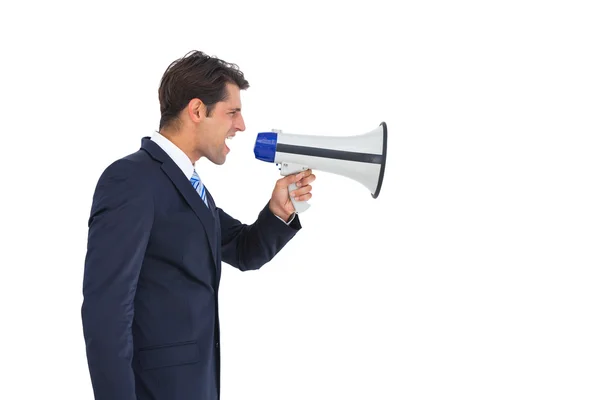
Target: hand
<point>280,203</point>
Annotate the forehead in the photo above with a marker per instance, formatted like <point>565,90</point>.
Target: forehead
<point>233,95</point>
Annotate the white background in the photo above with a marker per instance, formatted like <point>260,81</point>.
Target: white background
<point>474,275</point>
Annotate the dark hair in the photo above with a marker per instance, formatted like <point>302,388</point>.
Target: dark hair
<point>195,76</point>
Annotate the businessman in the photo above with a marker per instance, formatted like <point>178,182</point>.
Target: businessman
<point>157,239</point>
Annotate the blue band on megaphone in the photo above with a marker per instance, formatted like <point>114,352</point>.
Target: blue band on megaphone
<point>266,146</point>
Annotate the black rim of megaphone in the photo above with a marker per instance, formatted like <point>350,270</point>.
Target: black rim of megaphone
<point>383,156</point>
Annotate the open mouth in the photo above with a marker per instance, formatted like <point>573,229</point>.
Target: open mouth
<point>229,137</point>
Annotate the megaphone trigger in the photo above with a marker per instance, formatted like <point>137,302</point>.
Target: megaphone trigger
<point>292,169</point>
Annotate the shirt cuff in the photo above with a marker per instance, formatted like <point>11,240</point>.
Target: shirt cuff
<point>290,220</point>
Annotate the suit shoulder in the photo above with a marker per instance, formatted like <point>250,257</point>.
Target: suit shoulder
<point>131,165</point>
<point>122,182</point>
<point>126,174</point>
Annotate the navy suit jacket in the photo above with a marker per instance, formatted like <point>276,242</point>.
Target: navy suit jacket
<point>150,310</point>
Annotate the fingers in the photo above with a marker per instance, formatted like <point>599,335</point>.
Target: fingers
<point>301,194</point>
<point>303,183</point>
<point>300,179</point>
<point>305,178</point>
<point>304,197</point>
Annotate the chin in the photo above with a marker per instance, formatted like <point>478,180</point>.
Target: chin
<point>219,160</point>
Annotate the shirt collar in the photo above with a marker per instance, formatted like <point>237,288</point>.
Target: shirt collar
<point>176,154</point>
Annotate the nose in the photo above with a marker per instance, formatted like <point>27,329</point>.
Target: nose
<point>240,125</point>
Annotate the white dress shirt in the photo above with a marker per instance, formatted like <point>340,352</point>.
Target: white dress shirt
<point>183,161</point>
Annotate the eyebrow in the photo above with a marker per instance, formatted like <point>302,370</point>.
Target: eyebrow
<point>235,109</point>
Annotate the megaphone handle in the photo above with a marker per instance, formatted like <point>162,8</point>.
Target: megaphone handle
<point>289,169</point>
<point>300,206</point>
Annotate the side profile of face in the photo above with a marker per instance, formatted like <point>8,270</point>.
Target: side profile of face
<point>224,122</point>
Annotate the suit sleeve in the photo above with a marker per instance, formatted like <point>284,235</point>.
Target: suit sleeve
<point>119,228</point>
<point>249,247</point>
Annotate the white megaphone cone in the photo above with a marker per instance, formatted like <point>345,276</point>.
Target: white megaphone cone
<point>361,158</point>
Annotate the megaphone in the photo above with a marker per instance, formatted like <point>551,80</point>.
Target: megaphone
<point>361,157</point>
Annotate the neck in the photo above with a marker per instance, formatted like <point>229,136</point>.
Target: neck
<point>182,141</point>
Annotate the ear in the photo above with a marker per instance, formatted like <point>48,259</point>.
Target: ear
<point>196,110</point>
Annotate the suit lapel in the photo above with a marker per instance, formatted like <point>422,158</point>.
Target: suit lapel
<point>186,190</point>
<point>217,233</point>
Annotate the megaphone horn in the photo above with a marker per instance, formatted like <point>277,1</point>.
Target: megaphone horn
<point>361,158</point>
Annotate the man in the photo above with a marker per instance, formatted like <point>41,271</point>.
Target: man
<point>157,239</point>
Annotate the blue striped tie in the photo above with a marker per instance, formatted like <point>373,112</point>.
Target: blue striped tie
<point>197,184</point>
